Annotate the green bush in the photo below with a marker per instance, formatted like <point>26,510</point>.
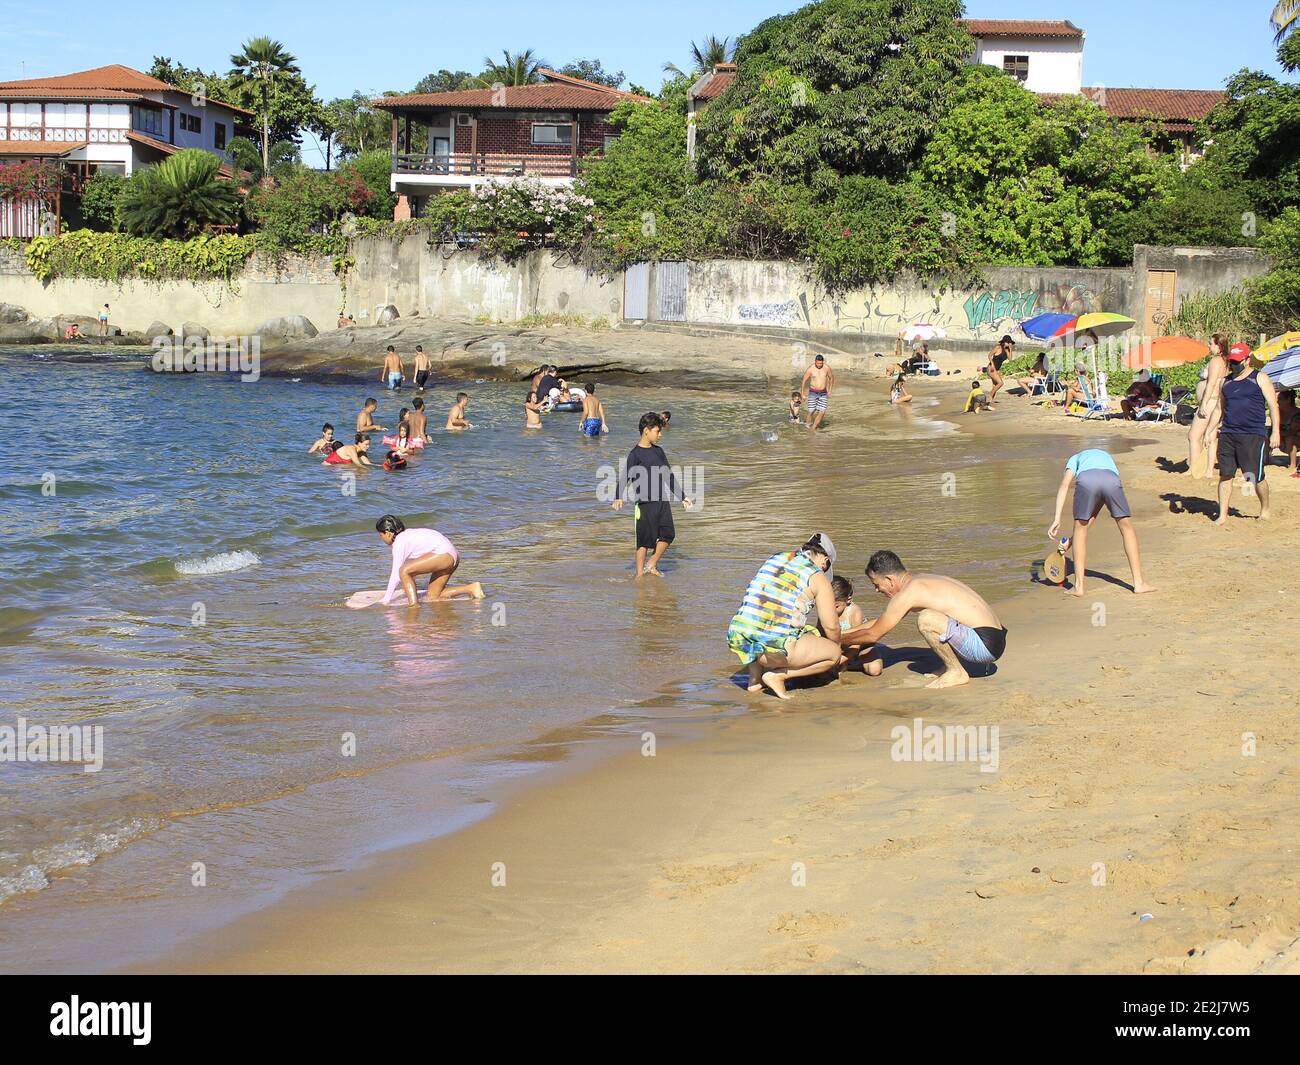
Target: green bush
<point>100,199</point>
<point>178,198</point>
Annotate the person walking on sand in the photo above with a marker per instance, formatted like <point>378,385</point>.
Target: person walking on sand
<point>953,618</point>
<point>422,367</point>
<point>422,553</point>
<point>771,633</point>
<point>1096,485</point>
<point>1004,349</point>
<point>593,413</point>
<point>646,479</point>
<point>1203,433</point>
<point>1246,442</point>
<point>392,372</point>
<point>816,387</point>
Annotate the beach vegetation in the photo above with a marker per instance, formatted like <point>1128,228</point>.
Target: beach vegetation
<point>178,198</point>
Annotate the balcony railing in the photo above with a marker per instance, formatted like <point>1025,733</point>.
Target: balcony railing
<point>60,133</point>
<point>484,164</point>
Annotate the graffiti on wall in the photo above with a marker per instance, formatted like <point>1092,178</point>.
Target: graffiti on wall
<point>779,313</point>
<point>990,308</point>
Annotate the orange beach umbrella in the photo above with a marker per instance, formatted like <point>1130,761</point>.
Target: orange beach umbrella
<point>1164,352</point>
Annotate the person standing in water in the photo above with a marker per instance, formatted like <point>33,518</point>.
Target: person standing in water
<point>456,416</point>
<point>419,424</point>
<point>593,413</point>
<point>366,419</point>
<point>771,633</point>
<point>1097,485</point>
<point>1246,442</point>
<point>422,367</point>
<point>954,619</point>
<point>816,387</point>
<point>650,484</point>
<point>392,373</point>
<point>532,411</point>
<point>422,553</point>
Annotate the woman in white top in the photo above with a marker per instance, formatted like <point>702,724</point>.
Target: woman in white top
<point>1203,433</point>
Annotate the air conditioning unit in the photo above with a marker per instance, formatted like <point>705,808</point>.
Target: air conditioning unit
<point>463,120</point>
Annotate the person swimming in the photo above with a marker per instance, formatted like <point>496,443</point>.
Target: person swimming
<point>324,444</point>
<point>396,460</point>
<point>350,454</point>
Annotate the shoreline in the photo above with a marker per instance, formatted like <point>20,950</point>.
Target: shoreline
<point>681,862</point>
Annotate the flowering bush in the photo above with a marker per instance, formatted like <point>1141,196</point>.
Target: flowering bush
<point>32,178</point>
<point>513,216</point>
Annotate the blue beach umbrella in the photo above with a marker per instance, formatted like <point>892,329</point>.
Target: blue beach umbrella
<point>1284,369</point>
<point>1044,326</point>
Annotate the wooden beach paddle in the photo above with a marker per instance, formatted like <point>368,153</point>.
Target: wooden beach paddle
<point>1054,567</point>
<point>1201,464</point>
<point>361,600</point>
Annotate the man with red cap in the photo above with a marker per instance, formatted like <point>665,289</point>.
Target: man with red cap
<point>1246,441</point>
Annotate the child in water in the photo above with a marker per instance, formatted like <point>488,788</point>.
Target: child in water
<point>326,439</point>
<point>396,460</point>
<point>851,616</point>
<point>899,394</point>
<point>796,406</point>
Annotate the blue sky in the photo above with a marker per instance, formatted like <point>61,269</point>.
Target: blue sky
<point>1188,44</point>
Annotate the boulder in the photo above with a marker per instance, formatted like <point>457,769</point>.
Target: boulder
<point>289,327</point>
<point>11,314</point>
<point>193,329</point>
<point>386,315</point>
<point>157,329</point>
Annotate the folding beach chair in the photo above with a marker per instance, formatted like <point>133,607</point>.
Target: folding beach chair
<point>1099,407</point>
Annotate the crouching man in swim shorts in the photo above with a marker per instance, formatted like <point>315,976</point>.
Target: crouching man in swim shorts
<point>954,619</point>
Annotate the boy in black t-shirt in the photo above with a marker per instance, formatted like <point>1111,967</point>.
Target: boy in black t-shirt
<point>648,481</point>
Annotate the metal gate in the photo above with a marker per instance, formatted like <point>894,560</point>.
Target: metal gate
<point>636,292</point>
<point>1161,296</point>
<point>671,281</point>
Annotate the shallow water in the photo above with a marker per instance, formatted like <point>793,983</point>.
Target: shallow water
<point>184,500</point>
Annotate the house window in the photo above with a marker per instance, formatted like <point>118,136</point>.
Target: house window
<point>545,133</point>
<point>191,123</point>
<point>149,120</point>
<point>219,135</point>
<point>1017,66</point>
<point>610,138</point>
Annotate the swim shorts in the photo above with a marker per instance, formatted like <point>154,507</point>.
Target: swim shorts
<point>748,644</point>
<point>394,379</point>
<point>654,523</point>
<point>590,426</point>
<point>816,401</point>
<point>420,377</point>
<point>982,646</point>
<point>1097,488</point>
<point>1242,451</point>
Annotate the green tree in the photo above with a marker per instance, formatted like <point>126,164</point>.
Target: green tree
<point>360,127</point>
<point>179,197</point>
<point>705,56</point>
<point>247,156</point>
<point>837,87</point>
<point>1274,299</point>
<point>515,69</point>
<point>446,81</point>
<point>375,169</point>
<point>100,198</point>
<point>592,70</point>
<point>301,201</point>
<point>1254,140</point>
<point>264,72</point>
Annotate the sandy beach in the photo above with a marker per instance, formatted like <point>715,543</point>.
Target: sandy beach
<point>1137,816</point>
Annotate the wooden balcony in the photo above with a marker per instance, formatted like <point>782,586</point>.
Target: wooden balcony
<point>484,164</point>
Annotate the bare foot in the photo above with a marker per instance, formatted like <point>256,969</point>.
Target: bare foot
<point>1264,515</point>
<point>1077,590</point>
<point>476,591</point>
<point>755,672</point>
<point>1221,521</point>
<point>951,679</point>
<point>651,569</point>
<point>776,682</point>
<point>1142,589</point>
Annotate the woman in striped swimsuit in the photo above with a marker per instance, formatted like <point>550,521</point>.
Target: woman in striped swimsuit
<point>770,633</point>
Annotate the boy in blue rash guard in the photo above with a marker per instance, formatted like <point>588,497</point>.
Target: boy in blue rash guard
<point>1097,485</point>
<point>648,481</point>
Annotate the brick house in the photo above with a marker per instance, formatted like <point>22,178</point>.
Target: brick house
<point>458,139</point>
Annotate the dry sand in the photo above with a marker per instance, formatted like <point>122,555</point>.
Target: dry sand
<point>1147,765</point>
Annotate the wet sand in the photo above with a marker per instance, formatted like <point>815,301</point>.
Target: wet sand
<point>1147,766</point>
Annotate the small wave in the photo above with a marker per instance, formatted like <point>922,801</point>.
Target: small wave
<point>59,856</point>
<point>226,562</point>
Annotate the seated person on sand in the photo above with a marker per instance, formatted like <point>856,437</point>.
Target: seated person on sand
<point>953,618</point>
<point>1096,485</point>
<point>1141,393</point>
<point>456,416</point>
<point>897,393</point>
<point>771,634</point>
<point>326,439</point>
<point>422,553</point>
<point>1037,375</point>
<point>1078,390</point>
<point>976,400</point>
<point>851,617</point>
<point>350,454</point>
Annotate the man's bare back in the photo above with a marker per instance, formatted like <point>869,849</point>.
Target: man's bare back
<point>933,591</point>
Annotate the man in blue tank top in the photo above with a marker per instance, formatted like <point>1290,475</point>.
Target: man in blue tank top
<point>1246,441</point>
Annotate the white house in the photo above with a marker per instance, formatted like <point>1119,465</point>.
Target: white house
<point>110,118</point>
<point>1047,56</point>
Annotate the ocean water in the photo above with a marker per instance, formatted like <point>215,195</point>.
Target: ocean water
<point>175,568</point>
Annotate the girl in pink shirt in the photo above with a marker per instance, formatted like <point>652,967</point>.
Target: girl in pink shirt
<point>421,553</point>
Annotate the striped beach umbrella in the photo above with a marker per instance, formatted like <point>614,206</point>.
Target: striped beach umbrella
<point>1276,347</point>
<point>1284,369</point>
<point>1103,324</point>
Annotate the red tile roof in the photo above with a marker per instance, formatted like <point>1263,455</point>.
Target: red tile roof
<point>112,82</point>
<point>558,92</point>
<point>1183,106</point>
<point>1014,27</point>
<point>716,85</point>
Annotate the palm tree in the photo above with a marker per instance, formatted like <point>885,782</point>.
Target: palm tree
<point>179,197</point>
<point>258,71</point>
<point>706,56</point>
<point>518,69</point>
